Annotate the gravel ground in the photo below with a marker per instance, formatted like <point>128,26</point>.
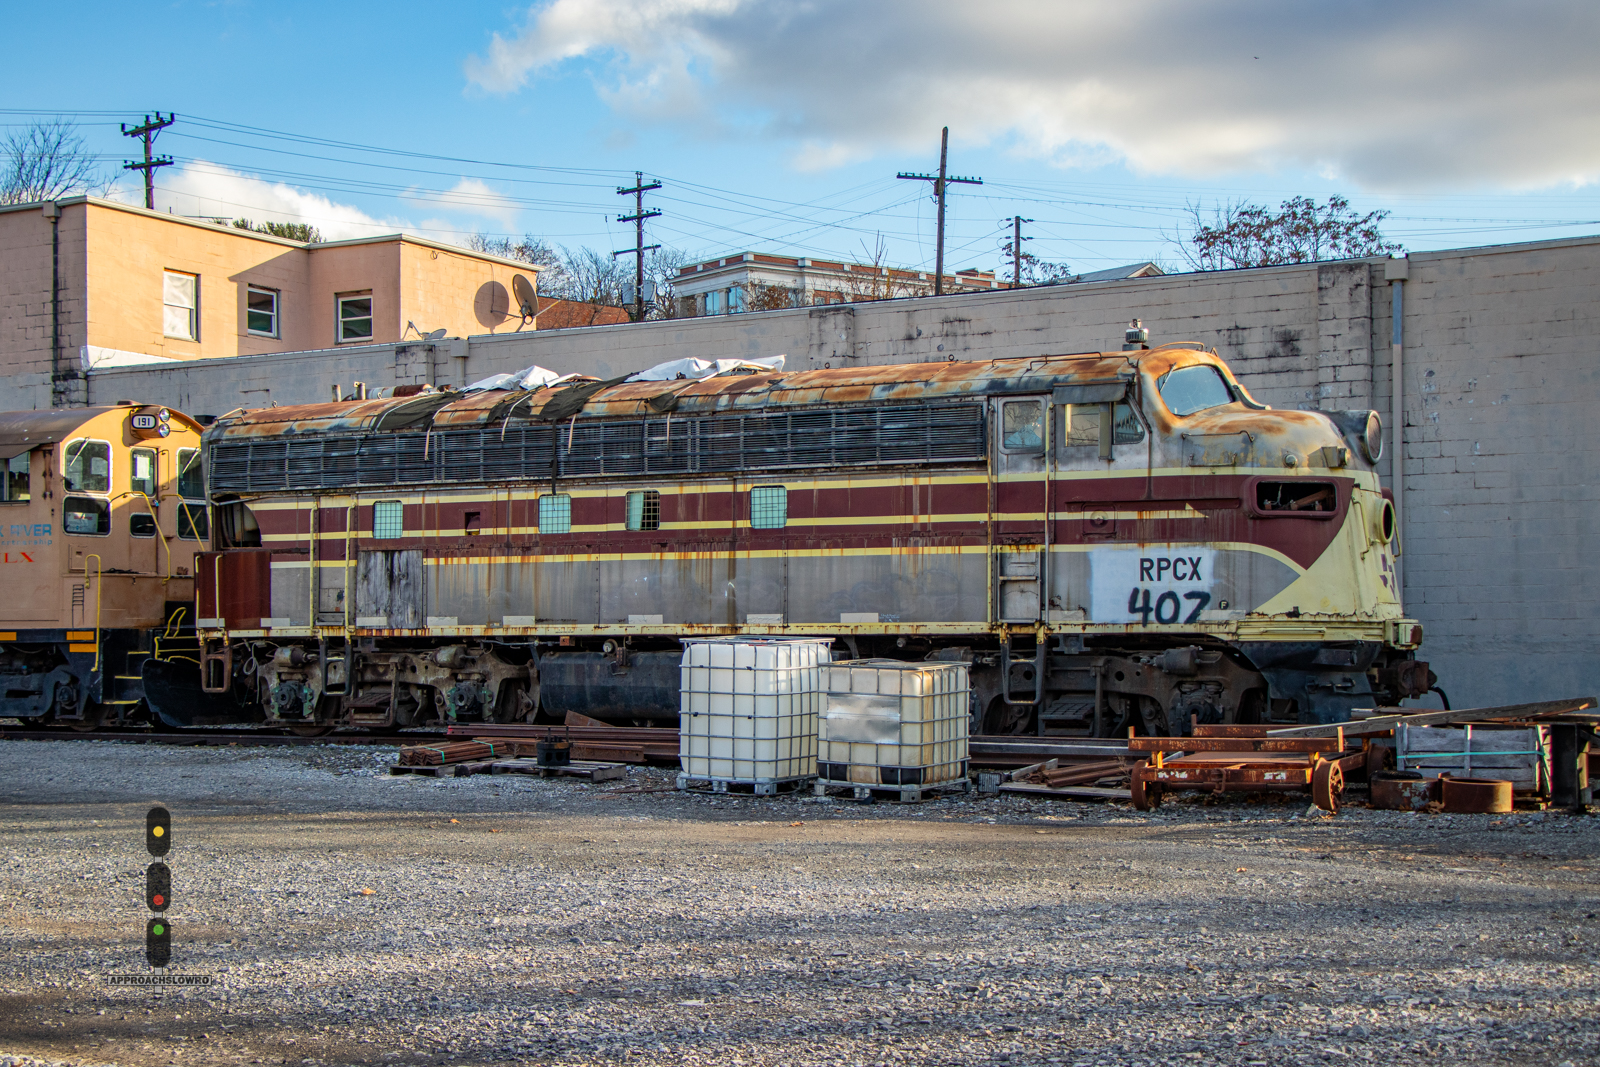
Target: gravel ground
<point>353,917</point>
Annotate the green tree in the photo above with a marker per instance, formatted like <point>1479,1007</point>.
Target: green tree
<point>293,231</point>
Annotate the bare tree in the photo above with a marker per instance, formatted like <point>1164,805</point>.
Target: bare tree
<point>1036,271</point>
<point>662,266</point>
<point>1301,231</point>
<point>48,161</point>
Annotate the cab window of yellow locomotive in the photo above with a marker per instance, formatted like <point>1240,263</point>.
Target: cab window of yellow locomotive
<point>86,466</point>
<point>191,479</point>
<point>555,513</point>
<point>1022,426</point>
<point>142,471</point>
<point>14,483</point>
<point>1191,389</point>
<point>86,515</point>
<point>194,521</point>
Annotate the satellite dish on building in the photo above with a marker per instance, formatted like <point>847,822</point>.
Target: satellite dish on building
<point>527,296</point>
<point>434,335</point>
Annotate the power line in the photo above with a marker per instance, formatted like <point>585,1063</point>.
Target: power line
<point>639,248</point>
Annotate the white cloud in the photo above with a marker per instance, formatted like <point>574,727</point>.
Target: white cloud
<point>210,191</point>
<point>473,197</point>
<point>1430,93</point>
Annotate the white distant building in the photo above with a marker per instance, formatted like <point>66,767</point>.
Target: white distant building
<point>752,281</point>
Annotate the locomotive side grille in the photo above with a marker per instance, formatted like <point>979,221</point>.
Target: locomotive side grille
<point>774,440</point>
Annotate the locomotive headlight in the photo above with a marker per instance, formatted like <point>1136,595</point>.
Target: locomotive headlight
<point>1372,437</point>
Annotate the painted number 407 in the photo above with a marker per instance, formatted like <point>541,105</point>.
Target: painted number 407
<point>1165,608</point>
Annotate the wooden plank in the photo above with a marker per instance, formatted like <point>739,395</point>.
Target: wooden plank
<point>1070,792</point>
<point>1398,717</point>
<point>578,719</point>
<point>1232,744</point>
<point>1022,773</point>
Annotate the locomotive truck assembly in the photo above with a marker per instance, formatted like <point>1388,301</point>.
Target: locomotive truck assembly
<point>1110,540</point>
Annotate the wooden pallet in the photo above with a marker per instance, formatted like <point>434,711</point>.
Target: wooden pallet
<point>448,770</point>
<point>692,784</point>
<point>897,794</point>
<point>594,772</point>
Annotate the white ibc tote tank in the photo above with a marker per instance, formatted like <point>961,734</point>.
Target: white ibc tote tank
<point>894,723</point>
<point>749,711</point>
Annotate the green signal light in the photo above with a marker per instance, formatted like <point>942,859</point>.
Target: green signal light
<point>158,929</point>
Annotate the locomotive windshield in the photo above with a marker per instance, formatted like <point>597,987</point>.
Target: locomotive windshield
<point>1191,389</point>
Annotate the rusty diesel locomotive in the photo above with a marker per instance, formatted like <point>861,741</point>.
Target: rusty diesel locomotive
<point>102,513</point>
<point>1110,540</point>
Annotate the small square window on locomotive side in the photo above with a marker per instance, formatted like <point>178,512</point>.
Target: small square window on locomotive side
<point>194,520</point>
<point>388,519</point>
<point>86,515</point>
<point>643,510</point>
<point>141,524</point>
<point>555,514</point>
<point>769,507</point>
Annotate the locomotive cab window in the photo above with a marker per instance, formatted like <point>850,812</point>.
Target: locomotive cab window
<point>142,471</point>
<point>191,478</point>
<point>86,466</point>
<point>14,479</point>
<point>1099,426</point>
<point>1022,426</point>
<point>1296,498</point>
<point>1191,389</point>
<point>644,510</point>
<point>555,513</point>
<point>141,524</point>
<point>86,515</point>
<point>194,521</point>
<point>769,507</point>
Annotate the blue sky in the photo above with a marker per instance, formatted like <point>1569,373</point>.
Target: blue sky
<point>780,127</point>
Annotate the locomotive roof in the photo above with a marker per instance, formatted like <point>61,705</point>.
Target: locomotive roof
<point>949,380</point>
<point>21,431</point>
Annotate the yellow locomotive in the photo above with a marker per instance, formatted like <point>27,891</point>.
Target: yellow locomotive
<point>102,512</point>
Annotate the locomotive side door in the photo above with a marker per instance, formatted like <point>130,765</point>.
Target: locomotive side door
<point>332,538</point>
<point>1021,548</point>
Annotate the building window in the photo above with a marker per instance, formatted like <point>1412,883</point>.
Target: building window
<point>142,471</point>
<point>769,507</point>
<point>736,300</point>
<point>261,311</point>
<point>716,304</point>
<point>191,479</point>
<point>86,466</point>
<point>388,519</point>
<point>14,478</point>
<point>141,524</point>
<point>86,515</point>
<point>555,514</point>
<point>644,510</point>
<point>180,310</point>
<point>355,317</point>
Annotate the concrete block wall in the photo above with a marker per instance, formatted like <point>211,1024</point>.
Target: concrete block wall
<point>1502,374</point>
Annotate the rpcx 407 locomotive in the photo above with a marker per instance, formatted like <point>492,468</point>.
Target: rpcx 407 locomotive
<point>1110,540</point>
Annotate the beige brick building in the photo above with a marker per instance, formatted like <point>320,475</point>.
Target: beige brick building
<point>89,284</point>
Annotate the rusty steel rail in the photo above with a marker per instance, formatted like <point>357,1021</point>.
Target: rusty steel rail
<point>204,736</point>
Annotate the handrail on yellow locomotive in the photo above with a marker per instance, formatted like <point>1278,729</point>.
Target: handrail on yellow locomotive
<point>99,573</point>
<point>170,633</point>
<point>155,514</point>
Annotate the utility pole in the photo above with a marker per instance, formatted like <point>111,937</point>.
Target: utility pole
<point>939,182</point>
<point>639,247</point>
<point>148,131</point>
<point>1016,249</point>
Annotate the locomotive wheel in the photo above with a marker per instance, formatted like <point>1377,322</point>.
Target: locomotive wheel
<point>1327,783</point>
<point>94,715</point>
<point>1146,795</point>
<point>311,729</point>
